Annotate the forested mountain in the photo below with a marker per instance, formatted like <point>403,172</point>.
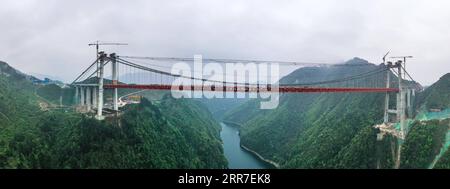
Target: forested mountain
<point>333,130</point>
<point>8,71</point>
<point>219,106</point>
<point>428,139</point>
<point>427,145</point>
<point>424,143</point>
<point>437,96</point>
<point>317,130</point>
<point>314,130</point>
<point>167,133</point>
<point>56,95</point>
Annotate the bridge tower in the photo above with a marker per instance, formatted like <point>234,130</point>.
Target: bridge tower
<point>82,93</point>
<point>388,85</point>
<point>114,80</point>
<point>88,99</point>
<point>99,116</point>
<point>94,96</point>
<point>76,100</point>
<point>90,96</point>
<point>403,101</point>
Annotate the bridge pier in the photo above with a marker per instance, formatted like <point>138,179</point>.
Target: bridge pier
<point>401,105</point>
<point>89,95</point>
<point>99,115</point>
<point>76,96</point>
<point>386,103</point>
<point>114,80</point>
<point>82,93</point>
<point>88,98</point>
<point>94,96</point>
<point>397,110</point>
<point>410,101</point>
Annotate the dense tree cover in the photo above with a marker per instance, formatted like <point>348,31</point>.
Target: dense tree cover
<point>334,130</point>
<point>17,100</point>
<point>365,152</point>
<point>168,133</point>
<point>243,112</point>
<point>199,128</point>
<point>423,143</point>
<point>314,130</point>
<point>444,161</point>
<point>145,138</point>
<point>437,96</point>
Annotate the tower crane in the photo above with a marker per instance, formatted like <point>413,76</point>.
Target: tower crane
<point>97,44</point>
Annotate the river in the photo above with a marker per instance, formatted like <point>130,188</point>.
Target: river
<point>237,157</point>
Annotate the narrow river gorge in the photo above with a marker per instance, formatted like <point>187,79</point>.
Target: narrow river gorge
<point>238,158</point>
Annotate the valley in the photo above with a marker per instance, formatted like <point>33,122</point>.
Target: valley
<point>336,130</point>
<point>306,131</point>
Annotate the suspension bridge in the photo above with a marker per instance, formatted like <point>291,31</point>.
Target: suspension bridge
<point>127,72</point>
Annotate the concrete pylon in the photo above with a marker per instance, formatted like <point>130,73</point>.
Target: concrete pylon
<point>114,80</point>
<point>411,102</point>
<point>397,106</point>
<point>94,96</point>
<point>76,100</point>
<point>401,104</point>
<point>82,93</point>
<point>88,98</point>
<point>410,94</point>
<point>99,115</point>
<point>386,103</point>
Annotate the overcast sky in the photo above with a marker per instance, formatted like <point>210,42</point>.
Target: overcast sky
<point>51,36</point>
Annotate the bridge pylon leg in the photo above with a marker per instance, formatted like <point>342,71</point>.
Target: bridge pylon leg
<point>401,111</point>
<point>94,97</point>
<point>82,93</point>
<point>386,103</point>
<point>99,115</point>
<point>410,102</point>
<point>114,81</point>
<point>88,98</point>
<point>76,98</point>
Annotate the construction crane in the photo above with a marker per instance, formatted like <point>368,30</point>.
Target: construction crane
<point>384,57</point>
<point>404,59</point>
<point>97,44</point>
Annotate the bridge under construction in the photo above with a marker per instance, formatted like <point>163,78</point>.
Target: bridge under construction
<point>90,85</point>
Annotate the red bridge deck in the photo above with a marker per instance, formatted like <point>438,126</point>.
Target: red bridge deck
<point>283,89</point>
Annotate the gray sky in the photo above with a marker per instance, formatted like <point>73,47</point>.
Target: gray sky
<point>51,36</point>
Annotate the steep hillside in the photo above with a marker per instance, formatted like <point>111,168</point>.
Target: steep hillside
<point>365,152</point>
<point>423,143</point>
<point>166,134</point>
<point>437,96</point>
<point>218,107</point>
<point>335,130</point>
<point>11,73</point>
<point>430,147</point>
<point>56,95</point>
<point>17,99</point>
<point>314,130</point>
